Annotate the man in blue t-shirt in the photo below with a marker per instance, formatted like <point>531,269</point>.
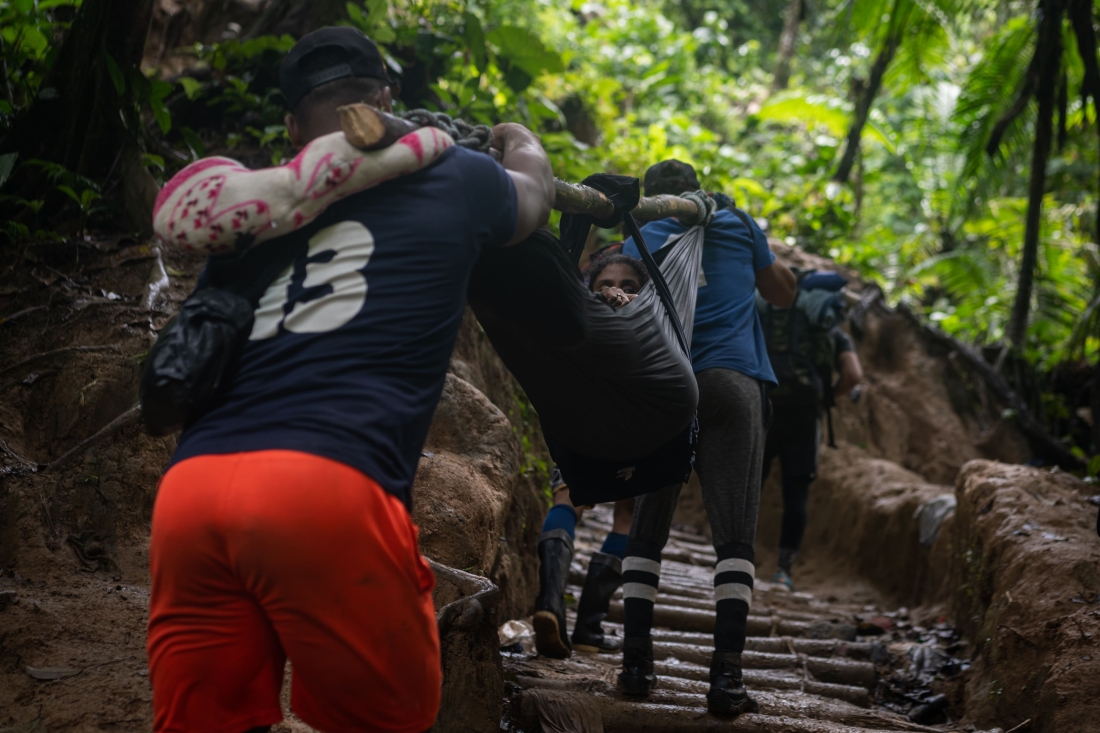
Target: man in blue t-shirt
<point>731,364</point>
<point>282,528</point>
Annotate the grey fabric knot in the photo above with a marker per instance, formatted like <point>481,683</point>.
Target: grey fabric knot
<point>475,137</point>
<point>703,203</point>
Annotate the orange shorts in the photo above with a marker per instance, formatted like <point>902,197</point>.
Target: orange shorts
<point>261,556</point>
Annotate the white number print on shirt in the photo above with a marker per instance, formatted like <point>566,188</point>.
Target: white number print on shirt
<point>351,246</point>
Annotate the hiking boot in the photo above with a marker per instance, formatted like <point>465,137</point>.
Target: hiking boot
<point>637,677</point>
<point>555,553</point>
<point>603,579</point>
<point>727,695</point>
<point>782,577</point>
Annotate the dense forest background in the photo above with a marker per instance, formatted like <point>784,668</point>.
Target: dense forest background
<point>947,150</point>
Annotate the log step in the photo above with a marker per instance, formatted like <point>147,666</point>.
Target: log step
<point>678,712</point>
<point>834,670</point>
<point>699,620</point>
<point>862,650</point>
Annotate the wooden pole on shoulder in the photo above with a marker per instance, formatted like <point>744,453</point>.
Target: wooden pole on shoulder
<point>573,198</point>
<point>368,128</point>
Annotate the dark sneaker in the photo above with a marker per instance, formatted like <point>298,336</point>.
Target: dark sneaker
<point>603,579</point>
<point>555,553</point>
<point>727,695</point>
<point>637,677</point>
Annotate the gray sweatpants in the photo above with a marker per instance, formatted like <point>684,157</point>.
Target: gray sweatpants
<point>729,461</point>
<point>732,431</point>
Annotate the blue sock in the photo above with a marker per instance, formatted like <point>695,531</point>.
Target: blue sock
<point>561,516</point>
<point>615,544</point>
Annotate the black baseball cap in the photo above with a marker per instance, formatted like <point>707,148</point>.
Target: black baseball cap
<point>325,55</point>
<point>670,176</point>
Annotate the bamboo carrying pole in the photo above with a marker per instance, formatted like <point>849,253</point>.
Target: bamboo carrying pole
<point>368,128</point>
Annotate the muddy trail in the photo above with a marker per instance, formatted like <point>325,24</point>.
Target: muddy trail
<point>813,664</point>
<point>942,585</point>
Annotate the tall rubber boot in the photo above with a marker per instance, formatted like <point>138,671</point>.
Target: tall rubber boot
<point>605,575</point>
<point>637,677</point>
<point>727,695</point>
<point>555,553</point>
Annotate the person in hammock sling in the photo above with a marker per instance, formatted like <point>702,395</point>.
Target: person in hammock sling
<point>618,279</point>
<point>282,528</point>
<point>731,365</point>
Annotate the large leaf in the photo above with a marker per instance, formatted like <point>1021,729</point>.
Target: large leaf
<point>7,164</point>
<point>794,107</point>
<point>525,50</point>
<point>474,36</point>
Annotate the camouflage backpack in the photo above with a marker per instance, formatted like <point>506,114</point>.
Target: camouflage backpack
<point>802,356</point>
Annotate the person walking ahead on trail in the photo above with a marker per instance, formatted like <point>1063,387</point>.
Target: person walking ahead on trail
<point>282,528</point>
<point>618,279</point>
<point>731,366</point>
<point>805,345</point>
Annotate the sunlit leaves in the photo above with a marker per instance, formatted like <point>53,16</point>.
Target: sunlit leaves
<point>815,110</point>
<point>372,18</point>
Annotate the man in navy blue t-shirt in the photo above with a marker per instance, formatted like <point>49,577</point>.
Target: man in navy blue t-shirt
<point>731,364</point>
<point>282,529</point>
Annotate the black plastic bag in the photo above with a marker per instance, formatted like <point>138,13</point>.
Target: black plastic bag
<point>193,359</point>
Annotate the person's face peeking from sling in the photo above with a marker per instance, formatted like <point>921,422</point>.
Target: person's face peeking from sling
<point>618,281</point>
<point>618,275</point>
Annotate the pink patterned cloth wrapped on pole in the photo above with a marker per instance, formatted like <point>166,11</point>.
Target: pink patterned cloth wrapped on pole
<point>214,203</point>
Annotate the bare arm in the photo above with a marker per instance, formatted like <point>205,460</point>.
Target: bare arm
<point>777,285</point>
<point>851,373</point>
<point>523,158</point>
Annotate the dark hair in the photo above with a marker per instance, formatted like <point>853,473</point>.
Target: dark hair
<point>671,177</point>
<point>601,263</point>
<point>337,93</point>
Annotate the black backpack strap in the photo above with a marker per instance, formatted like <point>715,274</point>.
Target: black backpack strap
<point>658,280</point>
<point>744,220</point>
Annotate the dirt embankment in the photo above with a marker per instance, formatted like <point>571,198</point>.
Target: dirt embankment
<point>75,322</point>
<point>1015,566</point>
<point>1026,571</point>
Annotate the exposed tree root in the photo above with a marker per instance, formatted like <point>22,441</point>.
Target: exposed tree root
<point>55,352</point>
<point>126,418</point>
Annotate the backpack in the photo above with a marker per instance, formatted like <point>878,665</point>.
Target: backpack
<point>802,351</point>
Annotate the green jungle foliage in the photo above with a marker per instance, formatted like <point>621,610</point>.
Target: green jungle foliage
<point>616,85</point>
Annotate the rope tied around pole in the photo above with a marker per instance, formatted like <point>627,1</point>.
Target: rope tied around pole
<point>474,137</point>
<point>704,203</point>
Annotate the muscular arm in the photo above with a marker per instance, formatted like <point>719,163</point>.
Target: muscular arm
<point>776,285</point>
<point>851,373</point>
<point>526,163</point>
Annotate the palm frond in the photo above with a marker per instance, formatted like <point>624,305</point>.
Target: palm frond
<point>992,85</point>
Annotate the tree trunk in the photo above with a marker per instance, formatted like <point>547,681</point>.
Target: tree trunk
<point>788,40</point>
<point>863,106</point>
<point>1094,409</point>
<point>76,120</point>
<point>1050,46</point>
<point>1080,12</point>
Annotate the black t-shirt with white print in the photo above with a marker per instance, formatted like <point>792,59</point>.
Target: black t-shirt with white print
<point>350,346</point>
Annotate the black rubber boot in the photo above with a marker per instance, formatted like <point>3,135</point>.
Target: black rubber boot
<point>637,677</point>
<point>605,575</point>
<point>727,695</point>
<point>555,554</point>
